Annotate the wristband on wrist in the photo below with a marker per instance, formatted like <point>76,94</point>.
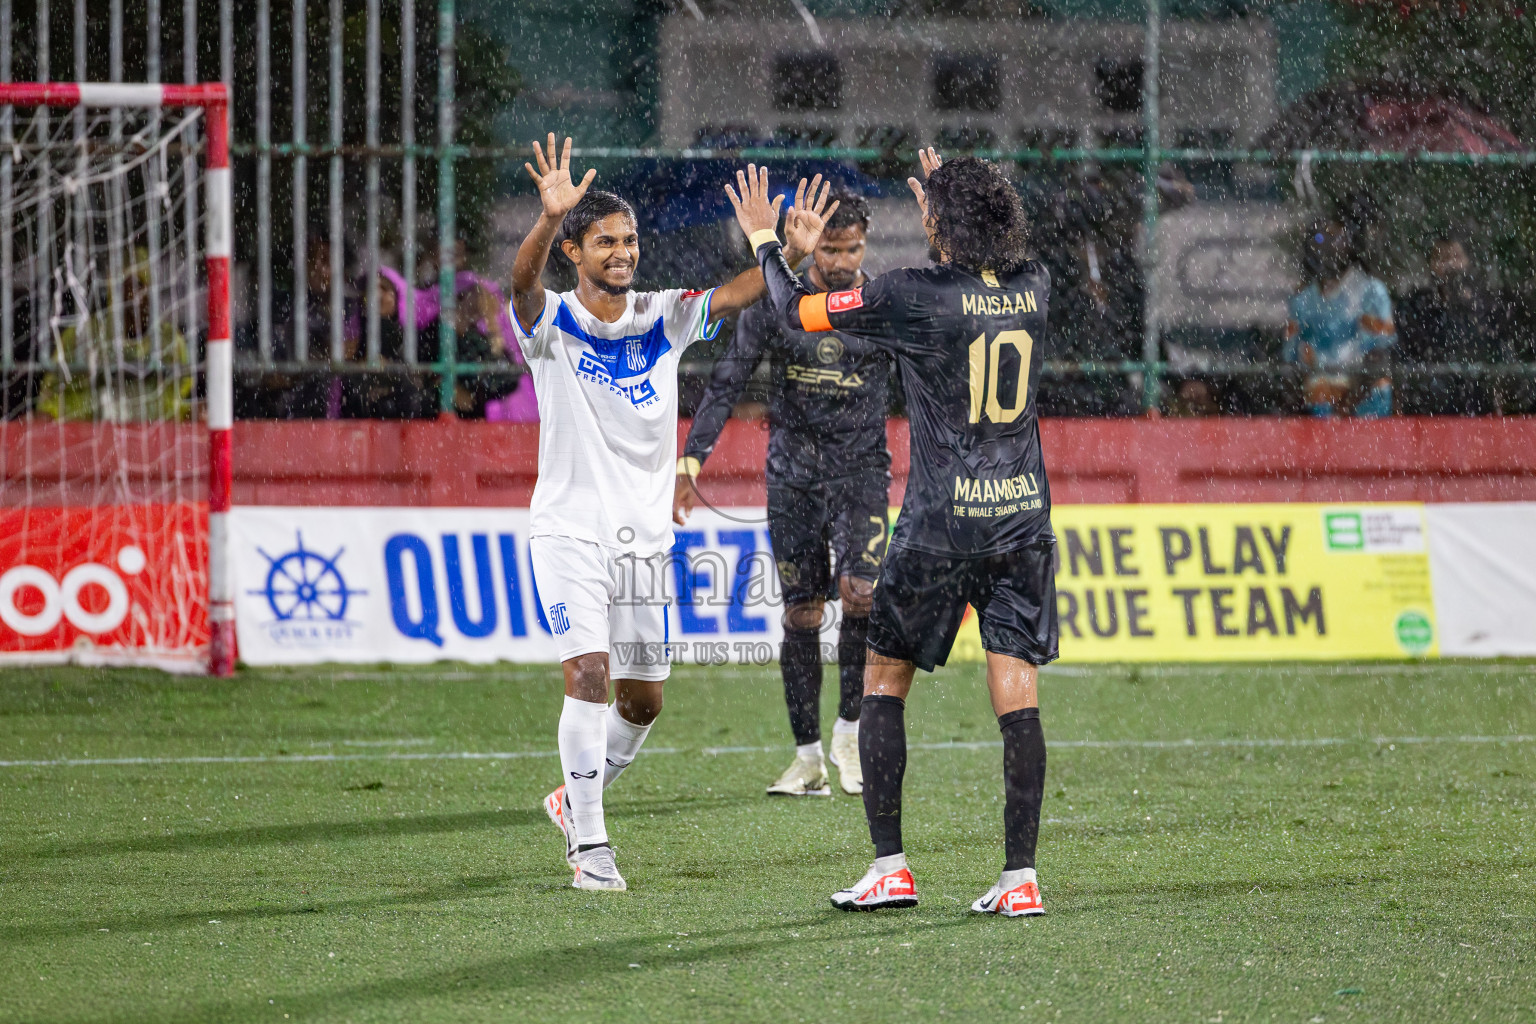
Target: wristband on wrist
<point>688,466</point>
<point>758,239</point>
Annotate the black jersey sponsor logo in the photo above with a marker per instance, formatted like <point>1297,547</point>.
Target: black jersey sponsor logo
<point>985,498</point>
<point>822,377</point>
<point>1006,489</point>
<point>977,304</point>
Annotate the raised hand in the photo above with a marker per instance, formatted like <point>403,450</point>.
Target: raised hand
<point>557,191</point>
<point>803,224</point>
<point>930,160</point>
<point>754,212</point>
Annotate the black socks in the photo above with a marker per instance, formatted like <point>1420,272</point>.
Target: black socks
<point>800,661</point>
<point>851,637</point>
<point>883,756</point>
<point>1023,785</point>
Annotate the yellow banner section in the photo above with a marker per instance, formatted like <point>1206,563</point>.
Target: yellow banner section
<point>1244,582</point>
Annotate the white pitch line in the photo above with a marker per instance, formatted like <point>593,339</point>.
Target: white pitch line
<point>457,755</point>
<point>516,755</point>
<point>1185,744</point>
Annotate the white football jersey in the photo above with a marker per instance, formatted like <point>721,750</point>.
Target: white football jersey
<point>608,415</point>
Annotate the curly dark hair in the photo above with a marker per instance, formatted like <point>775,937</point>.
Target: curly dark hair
<point>979,222</point>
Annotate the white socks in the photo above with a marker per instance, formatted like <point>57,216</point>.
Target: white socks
<point>895,862</point>
<point>809,751</point>
<point>583,737</point>
<point>624,740</point>
<point>596,745</point>
<point>841,726</point>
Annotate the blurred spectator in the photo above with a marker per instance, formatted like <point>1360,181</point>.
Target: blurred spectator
<point>289,393</point>
<point>1087,239</point>
<point>1193,397</point>
<point>1340,329</point>
<point>1453,320</point>
<point>119,367</point>
<point>379,394</point>
<point>484,333</point>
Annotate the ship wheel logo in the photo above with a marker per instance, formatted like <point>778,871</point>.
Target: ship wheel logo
<point>305,585</point>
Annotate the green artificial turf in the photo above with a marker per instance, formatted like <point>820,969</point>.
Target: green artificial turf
<point>1387,876</point>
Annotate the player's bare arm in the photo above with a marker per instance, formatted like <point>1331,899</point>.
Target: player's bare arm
<point>558,194</point>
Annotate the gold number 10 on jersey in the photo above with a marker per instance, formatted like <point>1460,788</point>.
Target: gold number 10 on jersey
<point>985,360</point>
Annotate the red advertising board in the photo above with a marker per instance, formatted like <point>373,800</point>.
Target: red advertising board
<point>120,583</point>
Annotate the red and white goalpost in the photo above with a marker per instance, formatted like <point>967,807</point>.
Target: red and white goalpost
<point>116,359</point>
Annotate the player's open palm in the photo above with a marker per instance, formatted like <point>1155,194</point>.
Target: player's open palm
<point>804,223</point>
<point>930,160</point>
<point>557,191</point>
<point>754,210</point>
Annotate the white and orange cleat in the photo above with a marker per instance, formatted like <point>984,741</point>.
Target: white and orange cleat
<point>887,883</point>
<point>1017,894</point>
<point>559,811</point>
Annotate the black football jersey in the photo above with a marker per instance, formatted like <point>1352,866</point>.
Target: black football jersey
<point>827,407</point>
<point>969,347</point>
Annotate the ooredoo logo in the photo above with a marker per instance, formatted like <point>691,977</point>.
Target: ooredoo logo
<point>61,599</point>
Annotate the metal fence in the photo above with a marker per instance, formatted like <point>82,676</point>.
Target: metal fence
<point>268,157</point>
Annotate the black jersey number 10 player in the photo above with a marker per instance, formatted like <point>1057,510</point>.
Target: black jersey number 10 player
<point>968,339</point>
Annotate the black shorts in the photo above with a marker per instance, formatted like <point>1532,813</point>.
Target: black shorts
<point>920,602</point>
<point>851,514</point>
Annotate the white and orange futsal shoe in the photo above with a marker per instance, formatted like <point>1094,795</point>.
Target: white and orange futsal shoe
<point>559,811</point>
<point>1017,894</point>
<point>887,883</point>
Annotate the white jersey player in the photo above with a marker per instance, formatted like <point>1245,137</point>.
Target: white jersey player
<point>604,364</point>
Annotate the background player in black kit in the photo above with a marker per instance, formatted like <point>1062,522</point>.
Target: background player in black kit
<point>828,482</point>
<point>968,336</point>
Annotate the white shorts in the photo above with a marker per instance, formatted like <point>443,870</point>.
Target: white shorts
<point>599,599</point>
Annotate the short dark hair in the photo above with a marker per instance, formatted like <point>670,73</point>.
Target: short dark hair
<point>979,221</point>
<point>852,211</point>
<point>590,209</point>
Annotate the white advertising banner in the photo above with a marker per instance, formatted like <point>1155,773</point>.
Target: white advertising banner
<point>1482,558</point>
<point>427,584</point>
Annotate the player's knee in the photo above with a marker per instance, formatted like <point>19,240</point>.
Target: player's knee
<point>805,615</point>
<point>639,703</point>
<point>586,678</point>
<point>858,595</point>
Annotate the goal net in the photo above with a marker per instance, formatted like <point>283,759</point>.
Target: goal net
<point>115,356</point>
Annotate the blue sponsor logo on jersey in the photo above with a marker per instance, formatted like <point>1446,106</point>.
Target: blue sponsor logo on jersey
<point>616,363</point>
<point>558,621</point>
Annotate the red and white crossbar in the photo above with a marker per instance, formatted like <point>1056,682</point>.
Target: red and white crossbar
<point>213,97</point>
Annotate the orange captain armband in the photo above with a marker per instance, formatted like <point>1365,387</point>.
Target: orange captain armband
<point>813,313</point>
